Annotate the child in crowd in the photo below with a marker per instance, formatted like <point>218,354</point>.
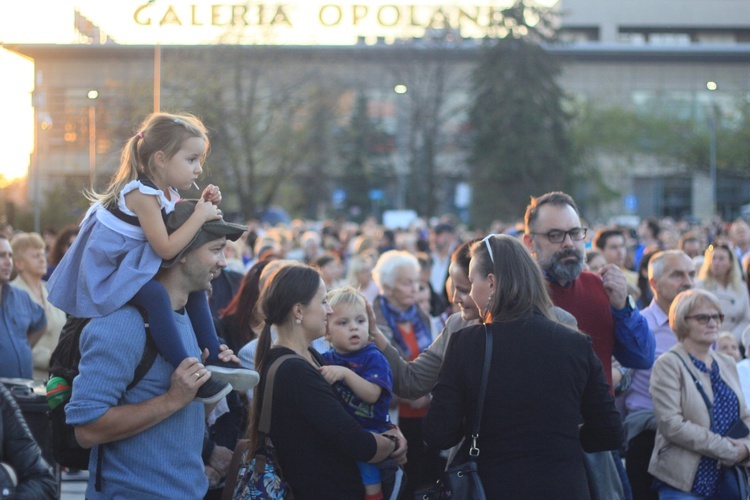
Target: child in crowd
<point>124,241</point>
<point>358,371</point>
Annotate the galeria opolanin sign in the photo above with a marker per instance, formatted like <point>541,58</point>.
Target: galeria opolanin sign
<point>366,19</point>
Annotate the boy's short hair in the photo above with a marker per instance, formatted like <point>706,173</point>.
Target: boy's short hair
<point>345,295</point>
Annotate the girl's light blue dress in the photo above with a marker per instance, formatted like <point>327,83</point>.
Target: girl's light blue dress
<point>109,261</point>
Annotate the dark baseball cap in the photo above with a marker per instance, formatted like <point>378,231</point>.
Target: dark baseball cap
<point>210,230</point>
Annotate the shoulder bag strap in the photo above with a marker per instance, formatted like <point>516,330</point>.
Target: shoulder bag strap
<point>264,426</point>
<point>699,385</point>
<point>474,451</point>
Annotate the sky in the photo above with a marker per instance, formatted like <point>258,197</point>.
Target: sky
<point>184,22</point>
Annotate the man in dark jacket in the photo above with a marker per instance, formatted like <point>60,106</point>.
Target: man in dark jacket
<point>22,467</point>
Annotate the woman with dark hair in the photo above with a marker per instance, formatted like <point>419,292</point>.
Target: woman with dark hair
<point>646,294</point>
<point>238,321</point>
<point>317,442</point>
<point>64,240</point>
<point>547,396</point>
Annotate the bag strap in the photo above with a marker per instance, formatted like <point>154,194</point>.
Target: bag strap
<point>230,483</point>
<point>699,385</point>
<point>264,425</point>
<point>474,451</point>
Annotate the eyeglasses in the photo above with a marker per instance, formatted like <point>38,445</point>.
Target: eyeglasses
<point>703,319</point>
<point>486,241</point>
<point>557,236</point>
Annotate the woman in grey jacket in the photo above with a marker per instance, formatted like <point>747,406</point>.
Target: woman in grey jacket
<point>691,442</point>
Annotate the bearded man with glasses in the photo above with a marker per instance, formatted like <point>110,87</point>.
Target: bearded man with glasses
<point>599,301</point>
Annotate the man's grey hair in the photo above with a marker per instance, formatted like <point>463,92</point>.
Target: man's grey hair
<point>656,264</point>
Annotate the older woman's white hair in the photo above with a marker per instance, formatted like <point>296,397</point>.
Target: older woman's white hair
<point>388,265</point>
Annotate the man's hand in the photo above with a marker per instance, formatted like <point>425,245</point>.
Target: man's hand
<point>333,373</point>
<point>220,460</point>
<point>615,285</point>
<point>186,379</point>
<point>399,455</point>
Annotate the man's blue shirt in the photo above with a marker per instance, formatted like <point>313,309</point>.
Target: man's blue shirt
<point>19,316</point>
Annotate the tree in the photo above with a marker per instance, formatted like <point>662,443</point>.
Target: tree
<point>520,144</point>
<point>256,112</point>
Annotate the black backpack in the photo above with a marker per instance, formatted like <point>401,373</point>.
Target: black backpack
<point>64,363</point>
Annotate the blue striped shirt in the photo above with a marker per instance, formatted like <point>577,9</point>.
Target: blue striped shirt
<point>19,316</point>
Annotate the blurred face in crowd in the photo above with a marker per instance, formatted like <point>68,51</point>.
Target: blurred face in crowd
<point>614,250</point>
<point>721,263</point>
<point>678,275</point>
<point>728,345</point>
<point>6,260</point>
<point>404,291</point>
<point>33,262</point>
<point>462,293</point>
<point>423,298</point>
<point>563,261</point>
<point>596,262</point>
<point>692,248</point>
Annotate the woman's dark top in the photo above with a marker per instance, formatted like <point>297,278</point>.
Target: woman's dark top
<point>317,441</point>
<point>545,380</point>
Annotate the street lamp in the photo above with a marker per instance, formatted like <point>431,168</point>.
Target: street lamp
<point>43,122</point>
<point>92,95</point>
<point>712,87</point>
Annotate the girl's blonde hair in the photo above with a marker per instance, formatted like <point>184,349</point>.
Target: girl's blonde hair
<point>159,132</point>
<point>346,295</point>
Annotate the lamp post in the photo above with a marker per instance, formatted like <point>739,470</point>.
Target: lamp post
<point>43,122</point>
<point>712,87</point>
<point>92,95</point>
<point>401,146</point>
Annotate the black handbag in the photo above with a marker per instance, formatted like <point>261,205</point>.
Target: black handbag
<point>732,481</point>
<point>462,481</point>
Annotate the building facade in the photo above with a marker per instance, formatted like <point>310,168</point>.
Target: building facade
<point>638,56</point>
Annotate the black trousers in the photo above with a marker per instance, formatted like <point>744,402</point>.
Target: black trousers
<point>636,465</point>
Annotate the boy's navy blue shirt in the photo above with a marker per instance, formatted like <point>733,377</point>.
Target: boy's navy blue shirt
<point>370,364</point>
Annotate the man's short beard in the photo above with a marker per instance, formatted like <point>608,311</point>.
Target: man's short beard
<point>564,271</point>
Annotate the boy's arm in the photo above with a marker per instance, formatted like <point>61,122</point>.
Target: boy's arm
<point>366,391</point>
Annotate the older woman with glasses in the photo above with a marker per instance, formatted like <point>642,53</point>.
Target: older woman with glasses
<point>721,275</point>
<point>547,396</point>
<point>698,404</point>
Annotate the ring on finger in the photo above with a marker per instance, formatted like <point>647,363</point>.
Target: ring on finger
<point>197,374</point>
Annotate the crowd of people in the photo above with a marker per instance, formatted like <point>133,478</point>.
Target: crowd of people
<point>600,334</point>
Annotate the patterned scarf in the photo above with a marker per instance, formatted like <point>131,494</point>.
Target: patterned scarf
<point>421,328</point>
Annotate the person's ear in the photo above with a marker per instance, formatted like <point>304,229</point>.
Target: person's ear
<point>529,242</point>
<point>491,280</point>
<point>160,159</point>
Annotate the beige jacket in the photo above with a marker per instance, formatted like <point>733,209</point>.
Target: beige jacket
<point>56,318</point>
<point>683,421</point>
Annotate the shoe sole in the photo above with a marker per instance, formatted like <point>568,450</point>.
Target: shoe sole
<point>216,397</point>
<point>240,380</point>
